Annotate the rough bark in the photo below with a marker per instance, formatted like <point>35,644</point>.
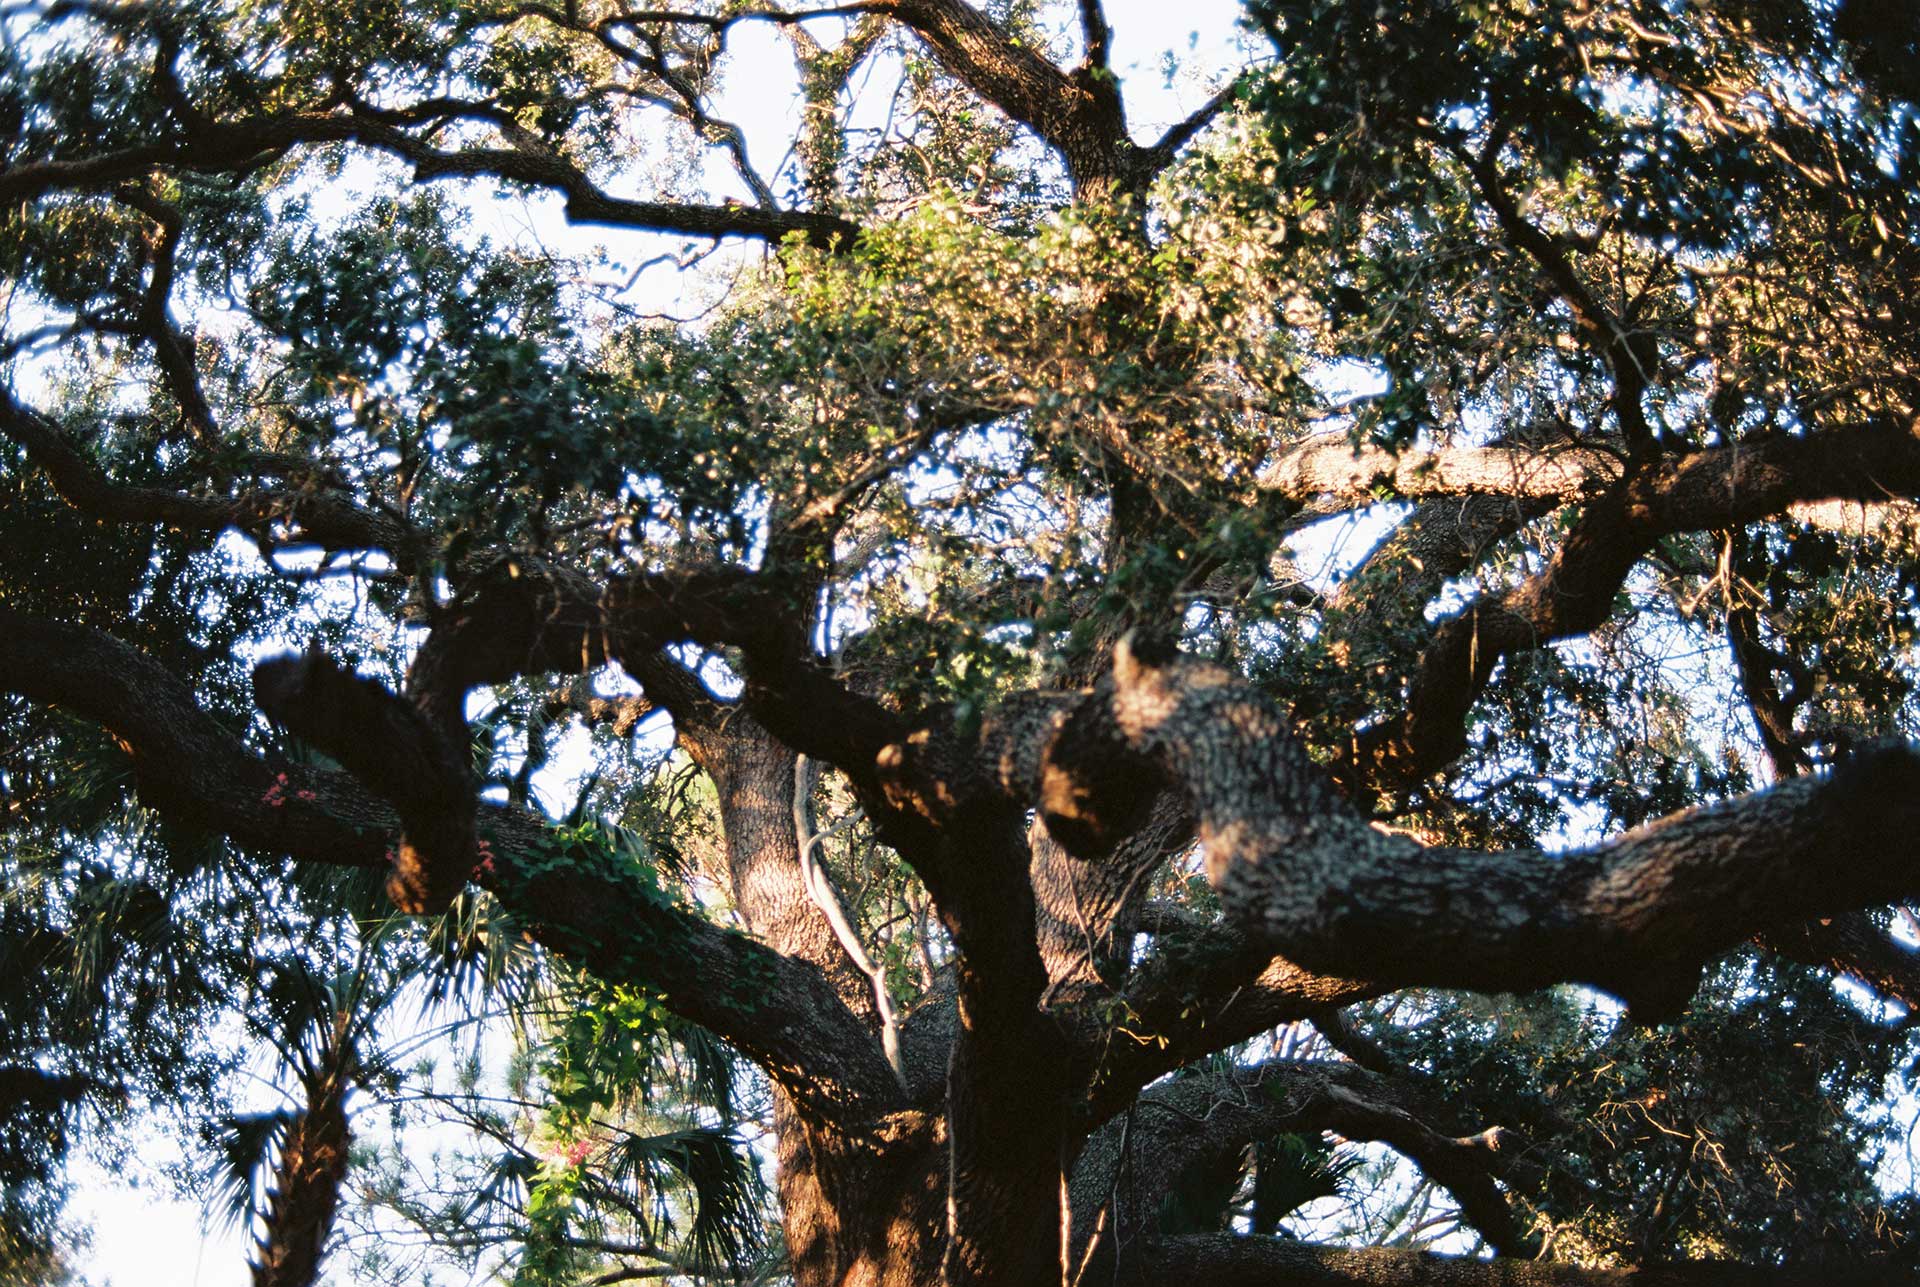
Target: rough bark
<point>1668,893</point>
<point>396,750</point>
<point>779,1011</point>
<point>1312,880</point>
<point>863,1204</point>
<point>1079,113</point>
<point>1333,465</point>
<point>1087,912</point>
<point>305,1191</point>
<point>1045,1032</point>
<point>753,780</point>
<point>855,1201</point>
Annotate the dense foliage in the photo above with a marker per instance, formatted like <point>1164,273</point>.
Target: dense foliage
<point>1010,697</point>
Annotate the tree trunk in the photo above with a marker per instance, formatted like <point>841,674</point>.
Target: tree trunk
<point>862,1208</point>
<point>305,1193</point>
<point>859,1207</point>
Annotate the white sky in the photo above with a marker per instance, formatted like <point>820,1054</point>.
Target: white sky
<point>143,1237</point>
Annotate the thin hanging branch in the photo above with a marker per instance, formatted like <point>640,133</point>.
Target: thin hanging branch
<point>820,889</point>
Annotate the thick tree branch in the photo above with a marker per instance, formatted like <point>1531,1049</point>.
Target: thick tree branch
<point>1079,114</point>
<point>1095,34</point>
<point>24,1086</point>
<point>1882,518</point>
<point>1312,880</point>
<point>399,754</point>
<point>1721,487</point>
<point>523,616</point>
<point>1332,1025</point>
<point>1851,944</point>
<point>779,1012</point>
<point>185,763</point>
<point>1087,911</point>
<point>1333,465</point>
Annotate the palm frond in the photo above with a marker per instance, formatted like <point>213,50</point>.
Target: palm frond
<point>716,1169</point>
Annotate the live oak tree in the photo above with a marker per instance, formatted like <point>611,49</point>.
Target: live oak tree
<point>963,546</point>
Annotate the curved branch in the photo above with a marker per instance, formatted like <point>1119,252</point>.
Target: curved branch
<point>237,147</point>
<point>1205,1122</point>
<point>398,753</point>
<point>172,350</point>
<point>1632,357</point>
<point>1087,912</point>
<point>1772,709</point>
<point>186,763</point>
<point>523,616</point>
<point>779,1012</point>
<point>819,886</point>
<point>317,515</point>
<point>1197,992</point>
<point>1722,487</point>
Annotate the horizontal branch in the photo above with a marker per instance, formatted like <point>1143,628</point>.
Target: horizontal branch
<point>1310,879</point>
<point>587,203</point>
<point>1334,465</point>
<point>25,1086</point>
<point>240,146</point>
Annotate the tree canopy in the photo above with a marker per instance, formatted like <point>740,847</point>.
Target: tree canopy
<point>1230,702</point>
